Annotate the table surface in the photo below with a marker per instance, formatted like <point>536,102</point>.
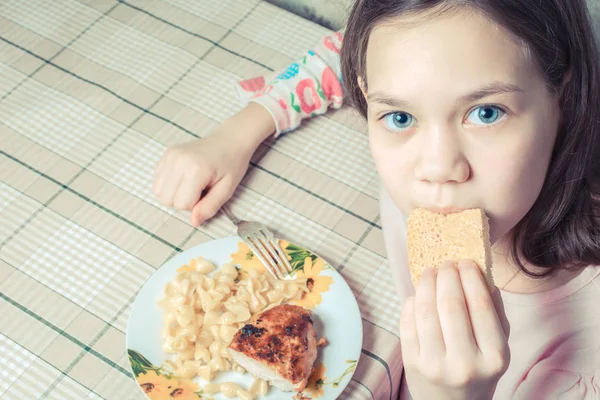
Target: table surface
<point>91,94</point>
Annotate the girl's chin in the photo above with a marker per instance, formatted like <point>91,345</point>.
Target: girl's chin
<point>500,231</point>
<point>499,242</point>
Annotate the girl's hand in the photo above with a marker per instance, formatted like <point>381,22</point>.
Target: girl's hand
<point>453,342</point>
<point>201,175</point>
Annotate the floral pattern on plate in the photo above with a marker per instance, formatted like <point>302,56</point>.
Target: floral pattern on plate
<point>160,384</point>
<point>304,263</point>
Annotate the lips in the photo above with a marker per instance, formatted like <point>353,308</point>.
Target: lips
<point>444,209</point>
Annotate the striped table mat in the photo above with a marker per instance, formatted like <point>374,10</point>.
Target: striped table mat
<point>91,94</point>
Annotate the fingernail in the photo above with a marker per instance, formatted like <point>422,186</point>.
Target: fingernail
<point>465,263</point>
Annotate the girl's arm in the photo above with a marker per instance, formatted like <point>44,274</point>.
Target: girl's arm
<point>201,175</point>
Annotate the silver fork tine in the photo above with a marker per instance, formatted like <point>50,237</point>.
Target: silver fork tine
<point>259,254</point>
<point>263,244</point>
<point>282,256</point>
<point>275,252</point>
<point>262,253</point>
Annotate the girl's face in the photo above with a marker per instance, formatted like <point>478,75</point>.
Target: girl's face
<point>459,117</point>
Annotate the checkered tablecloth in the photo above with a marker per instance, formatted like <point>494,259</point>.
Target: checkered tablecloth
<point>91,93</point>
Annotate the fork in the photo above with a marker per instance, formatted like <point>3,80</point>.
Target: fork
<point>263,244</point>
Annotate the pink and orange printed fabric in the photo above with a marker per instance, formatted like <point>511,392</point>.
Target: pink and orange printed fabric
<point>306,88</point>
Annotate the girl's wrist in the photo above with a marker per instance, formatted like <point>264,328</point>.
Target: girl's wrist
<point>252,125</point>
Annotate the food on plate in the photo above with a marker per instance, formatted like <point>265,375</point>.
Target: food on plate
<point>434,238</point>
<point>203,310</point>
<point>278,345</point>
<point>230,389</point>
<point>300,396</point>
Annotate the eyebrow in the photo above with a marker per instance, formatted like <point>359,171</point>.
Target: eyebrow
<point>387,99</point>
<point>488,90</point>
<point>485,91</point>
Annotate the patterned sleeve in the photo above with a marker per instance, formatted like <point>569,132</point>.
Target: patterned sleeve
<point>306,88</point>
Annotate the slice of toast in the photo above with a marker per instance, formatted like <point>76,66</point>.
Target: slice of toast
<point>434,238</point>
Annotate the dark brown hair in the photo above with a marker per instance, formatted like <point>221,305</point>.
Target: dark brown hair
<point>562,229</point>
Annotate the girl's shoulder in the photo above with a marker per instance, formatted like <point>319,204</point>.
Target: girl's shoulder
<point>583,290</point>
<point>570,375</point>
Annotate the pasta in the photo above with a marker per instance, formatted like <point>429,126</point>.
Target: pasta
<point>203,310</point>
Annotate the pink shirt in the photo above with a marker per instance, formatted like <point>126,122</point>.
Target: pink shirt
<point>555,335</point>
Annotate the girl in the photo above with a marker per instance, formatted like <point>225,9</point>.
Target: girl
<point>493,104</point>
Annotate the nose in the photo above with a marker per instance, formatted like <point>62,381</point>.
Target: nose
<point>442,158</point>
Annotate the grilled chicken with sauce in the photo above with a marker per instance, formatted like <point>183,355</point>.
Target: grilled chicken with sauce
<point>279,345</point>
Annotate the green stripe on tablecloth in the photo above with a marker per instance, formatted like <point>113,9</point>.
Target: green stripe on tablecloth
<point>62,372</point>
<point>61,50</point>
<point>66,335</point>
<point>95,203</point>
<point>216,44</point>
<point>365,386</point>
<point>382,362</point>
<point>361,239</point>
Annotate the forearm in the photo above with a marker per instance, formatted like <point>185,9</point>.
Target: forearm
<point>248,128</point>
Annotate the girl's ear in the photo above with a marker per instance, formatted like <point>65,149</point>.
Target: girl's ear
<point>559,97</point>
<point>361,85</point>
<point>566,80</point>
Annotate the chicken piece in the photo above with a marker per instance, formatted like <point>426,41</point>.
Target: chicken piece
<point>279,345</point>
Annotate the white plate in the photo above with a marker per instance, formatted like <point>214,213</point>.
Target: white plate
<point>337,318</point>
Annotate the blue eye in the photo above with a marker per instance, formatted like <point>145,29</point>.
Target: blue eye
<point>485,115</point>
<point>398,121</point>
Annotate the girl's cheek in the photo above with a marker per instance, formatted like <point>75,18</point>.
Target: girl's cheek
<point>377,145</point>
<point>384,154</point>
